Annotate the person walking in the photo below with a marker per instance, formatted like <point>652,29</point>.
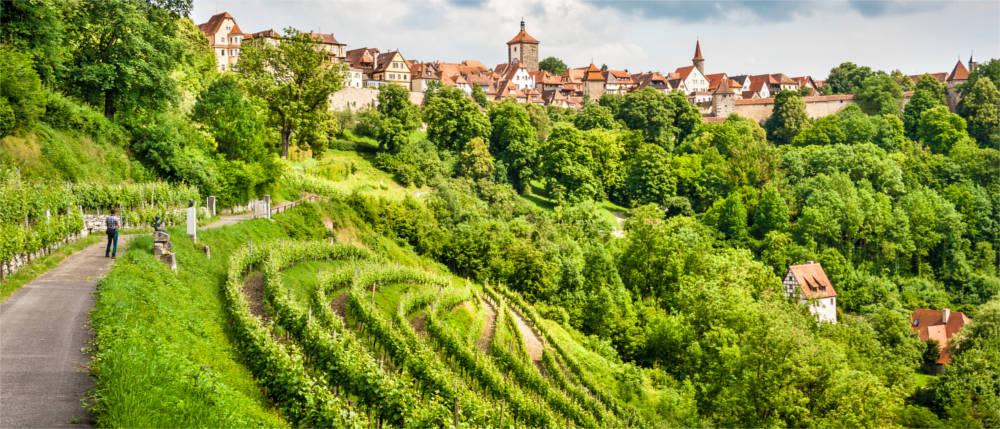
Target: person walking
<point>113,224</point>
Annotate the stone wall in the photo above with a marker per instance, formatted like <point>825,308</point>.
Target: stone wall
<point>816,106</point>
<point>22,259</point>
<point>355,99</point>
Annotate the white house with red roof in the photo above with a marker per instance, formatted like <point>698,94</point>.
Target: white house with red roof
<point>808,284</point>
<point>940,326</point>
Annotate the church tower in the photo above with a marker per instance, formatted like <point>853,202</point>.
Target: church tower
<point>698,61</point>
<point>523,49</point>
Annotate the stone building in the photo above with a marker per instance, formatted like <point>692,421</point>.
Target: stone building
<point>809,285</point>
<point>593,82</point>
<point>523,49</point>
<point>724,99</point>
<point>959,75</point>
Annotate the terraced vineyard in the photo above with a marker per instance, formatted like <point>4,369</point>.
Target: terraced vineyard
<point>369,343</point>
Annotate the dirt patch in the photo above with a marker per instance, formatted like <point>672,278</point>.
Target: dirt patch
<point>253,290</point>
<point>339,305</point>
<point>418,323</point>
<point>532,344</point>
<point>489,328</point>
<point>349,235</point>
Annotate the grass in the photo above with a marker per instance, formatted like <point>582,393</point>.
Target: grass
<point>163,353</point>
<point>39,266</point>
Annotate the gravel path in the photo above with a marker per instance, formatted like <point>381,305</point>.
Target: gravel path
<point>532,344</point>
<point>489,328</point>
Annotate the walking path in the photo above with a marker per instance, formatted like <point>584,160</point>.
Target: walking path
<point>43,333</point>
<point>43,337</point>
<point>532,344</point>
<point>489,328</point>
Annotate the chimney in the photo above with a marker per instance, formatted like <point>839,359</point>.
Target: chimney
<point>809,262</point>
<point>945,315</point>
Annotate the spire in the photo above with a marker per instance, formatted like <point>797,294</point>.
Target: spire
<point>697,51</point>
<point>522,23</point>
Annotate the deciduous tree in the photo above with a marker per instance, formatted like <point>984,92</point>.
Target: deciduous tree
<point>787,119</point>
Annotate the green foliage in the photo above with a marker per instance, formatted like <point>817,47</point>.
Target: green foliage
<point>594,116</point>
<point>652,113</point>
<point>921,101</point>
<point>788,118</point>
<point>20,91</point>
<point>989,69</point>
<point>415,163</point>
<point>398,117</point>
<point>648,176</point>
<point>568,166</point>
<point>847,78</point>
<point>980,107</point>
<point>552,65</point>
<point>940,129</point>
<point>453,119</point>
<point>879,94</point>
<point>123,70</point>
<point>515,142</point>
<point>929,83</point>
<point>237,123</point>
<point>294,80</point>
<point>475,161</point>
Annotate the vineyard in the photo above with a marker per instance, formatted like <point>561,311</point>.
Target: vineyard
<point>36,218</point>
<point>347,349</point>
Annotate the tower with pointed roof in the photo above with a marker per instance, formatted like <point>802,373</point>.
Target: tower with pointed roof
<point>523,49</point>
<point>698,61</point>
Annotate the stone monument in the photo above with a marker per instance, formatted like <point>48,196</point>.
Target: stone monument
<point>192,221</point>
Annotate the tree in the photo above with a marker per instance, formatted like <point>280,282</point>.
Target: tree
<point>453,119</point>
<point>476,162</point>
<point>123,69</point>
<point>398,117</point>
<point>553,65</point>
<point>594,115</point>
<point>787,119</point>
<point>771,213</point>
<point>515,142</point>
<point>729,216</point>
<point>539,119</point>
<point>940,129</point>
<point>293,78</point>
<point>879,95</point>
<point>927,82</point>
<point>652,113</point>
<point>238,125</point>
<point>847,77</point>
<point>981,109</point>
<point>649,178</point>
<point>567,166</point>
<point>37,28</point>
<point>903,80</point>
<point>20,90</point>
<point>825,131</point>
<point>921,101</point>
<point>479,95</point>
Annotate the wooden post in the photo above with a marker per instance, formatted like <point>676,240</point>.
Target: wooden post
<point>455,411</point>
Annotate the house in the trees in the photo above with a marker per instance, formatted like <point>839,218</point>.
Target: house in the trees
<point>225,38</point>
<point>940,326</point>
<point>334,50</point>
<point>809,285</point>
<point>390,67</point>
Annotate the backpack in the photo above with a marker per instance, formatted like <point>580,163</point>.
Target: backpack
<point>112,224</point>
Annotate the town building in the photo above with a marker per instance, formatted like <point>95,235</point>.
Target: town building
<point>390,67</point>
<point>940,326</point>
<point>523,49</point>
<point>959,75</point>
<point>653,80</point>
<point>336,51</point>
<point>593,82</point>
<point>225,38</point>
<point>809,285</point>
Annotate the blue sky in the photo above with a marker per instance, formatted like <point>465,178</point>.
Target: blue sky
<point>762,36</point>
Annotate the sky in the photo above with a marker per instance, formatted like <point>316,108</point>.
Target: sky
<point>737,37</point>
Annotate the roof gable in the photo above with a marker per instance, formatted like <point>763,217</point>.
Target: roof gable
<point>959,72</point>
<point>812,281</point>
<point>930,325</point>
<point>523,37</point>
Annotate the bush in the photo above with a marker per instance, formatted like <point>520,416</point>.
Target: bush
<point>416,163</point>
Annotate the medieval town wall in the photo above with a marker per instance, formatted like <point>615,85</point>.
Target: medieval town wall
<point>355,99</point>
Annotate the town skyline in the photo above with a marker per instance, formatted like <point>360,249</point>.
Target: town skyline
<point>657,36</point>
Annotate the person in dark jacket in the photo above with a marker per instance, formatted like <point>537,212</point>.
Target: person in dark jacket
<point>113,224</point>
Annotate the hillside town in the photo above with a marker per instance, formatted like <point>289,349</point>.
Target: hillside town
<point>717,95</point>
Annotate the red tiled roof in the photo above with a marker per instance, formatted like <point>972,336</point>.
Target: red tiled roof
<point>930,325</point>
<point>523,37</point>
<point>941,77</point>
<point>266,33</point>
<point>697,50</point>
<point>812,281</point>
<point>682,72</point>
<point>361,55</point>
<point>384,60</point>
<point>810,99</point>
<point>324,38</point>
<point>959,72</point>
<point>714,79</point>
<point>593,73</point>
<point>212,26</point>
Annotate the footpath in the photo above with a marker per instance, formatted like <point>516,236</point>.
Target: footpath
<point>44,335</point>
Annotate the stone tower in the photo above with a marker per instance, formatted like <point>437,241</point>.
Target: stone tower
<point>698,61</point>
<point>523,49</point>
<point>723,100</point>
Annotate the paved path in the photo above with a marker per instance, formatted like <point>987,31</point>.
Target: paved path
<point>43,331</point>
